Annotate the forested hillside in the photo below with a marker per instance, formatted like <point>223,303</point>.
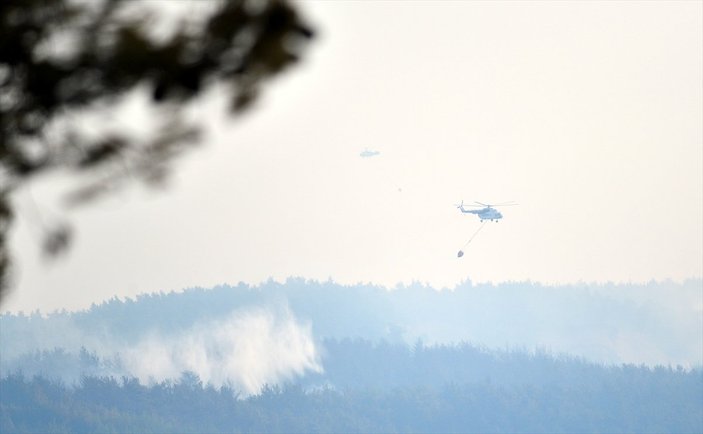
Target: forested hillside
<point>656,323</point>
<point>613,400</point>
<point>320,357</point>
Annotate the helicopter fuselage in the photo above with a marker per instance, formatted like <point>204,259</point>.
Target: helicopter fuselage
<point>487,213</point>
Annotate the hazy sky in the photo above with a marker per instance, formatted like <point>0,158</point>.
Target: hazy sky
<point>589,114</point>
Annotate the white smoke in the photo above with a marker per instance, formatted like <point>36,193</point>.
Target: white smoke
<point>247,350</point>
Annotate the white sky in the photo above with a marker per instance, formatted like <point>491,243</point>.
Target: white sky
<point>590,115</point>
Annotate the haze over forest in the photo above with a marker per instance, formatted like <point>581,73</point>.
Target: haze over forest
<point>277,330</point>
<point>255,356</point>
<point>309,270</point>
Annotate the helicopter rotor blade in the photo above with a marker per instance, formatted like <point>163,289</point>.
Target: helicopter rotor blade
<point>496,204</point>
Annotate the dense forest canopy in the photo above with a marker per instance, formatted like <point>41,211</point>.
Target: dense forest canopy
<point>321,357</point>
<point>620,400</point>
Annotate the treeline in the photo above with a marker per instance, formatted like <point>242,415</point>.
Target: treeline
<point>390,361</point>
<point>654,323</point>
<point>635,400</point>
<point>359,363</point>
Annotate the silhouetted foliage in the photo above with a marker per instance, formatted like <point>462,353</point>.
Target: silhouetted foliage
<point>105,51</point>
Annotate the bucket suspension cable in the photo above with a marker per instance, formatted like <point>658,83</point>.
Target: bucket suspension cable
<point>461,252</point>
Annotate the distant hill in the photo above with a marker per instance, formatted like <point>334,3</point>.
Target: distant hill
<point>319,357</point>
<point>295,328</point>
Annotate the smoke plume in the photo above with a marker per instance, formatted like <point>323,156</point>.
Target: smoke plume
<point>247,350</point>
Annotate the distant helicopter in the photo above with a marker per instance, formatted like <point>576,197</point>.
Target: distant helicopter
<point>488,212</point>
<point>366,153</point>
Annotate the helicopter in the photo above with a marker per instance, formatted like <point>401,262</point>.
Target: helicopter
<point>487,212</point>
<point>367,153</point>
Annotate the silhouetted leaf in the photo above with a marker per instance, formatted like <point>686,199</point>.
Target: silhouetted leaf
<point>238,45</point>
